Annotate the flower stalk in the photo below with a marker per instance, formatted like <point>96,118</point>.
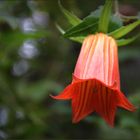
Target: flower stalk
<point>105,17</point>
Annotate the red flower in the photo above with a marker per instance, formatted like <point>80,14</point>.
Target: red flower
<point>96,81</point>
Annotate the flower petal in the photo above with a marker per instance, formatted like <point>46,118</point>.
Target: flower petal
<point>124,103</point>
<point>98,59</point>
<point>105,103</point>
<point>92,95</point>
<point>96,81</point>
<point>66,94</point>
<point>82,101</point>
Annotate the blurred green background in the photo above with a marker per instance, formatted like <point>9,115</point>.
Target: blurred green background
<point>36,61</point>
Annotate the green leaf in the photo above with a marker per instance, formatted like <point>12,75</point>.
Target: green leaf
<point>124,30</point>
<point>123,42</point>
<point>115,23</point>
<point>76,39</point>
<point>86,27</point>
<point>105,17</point>
<point>89,25</point>
<point>60,29</point>
<point>73,19</point>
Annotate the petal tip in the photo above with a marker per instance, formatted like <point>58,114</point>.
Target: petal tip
<point>75,119</point>
<point>52,96</point>
<point>123,102</point>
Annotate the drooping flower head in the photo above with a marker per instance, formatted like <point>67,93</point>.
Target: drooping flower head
<point>96,81</point>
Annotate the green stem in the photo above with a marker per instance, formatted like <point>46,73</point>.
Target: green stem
<point>105,17</point>
<point>116,7</point>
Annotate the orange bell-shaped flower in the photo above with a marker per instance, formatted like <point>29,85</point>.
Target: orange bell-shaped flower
<point>96,81</point>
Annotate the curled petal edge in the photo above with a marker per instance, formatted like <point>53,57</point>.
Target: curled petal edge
<point>105,102</point>
<point>69,91</point>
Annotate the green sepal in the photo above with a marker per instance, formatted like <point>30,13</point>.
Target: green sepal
<point>76,39</point>
<point>60,29</point>
<point>72,19</point>
<point>86,27</point>
<point>115,23</point>
<point>89,25</point>
<point>105,17</point>
<point>122,31</point>
<point>123,42</point>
